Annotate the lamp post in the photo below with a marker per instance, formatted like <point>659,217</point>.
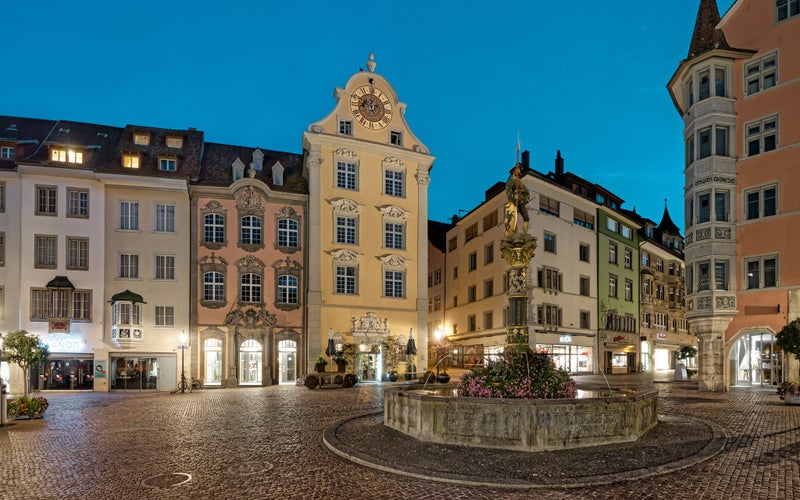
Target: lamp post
<point>183,345</point>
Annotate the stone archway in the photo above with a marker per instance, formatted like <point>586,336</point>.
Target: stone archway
<point>751,358</point>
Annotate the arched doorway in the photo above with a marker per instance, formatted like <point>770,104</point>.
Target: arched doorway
<point>287,361</point>
<point>212,353</point>
<point>753,361</point>
<point>250,362</point>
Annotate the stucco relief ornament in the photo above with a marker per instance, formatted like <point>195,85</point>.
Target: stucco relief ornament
<point>213,205</point>
<point>345,153</point>
<point>391,161</point>
<point>346,205</point>
<point>248,199</point>
<point>517,278</point>
<point>394,212</point>
<point>344,256</point>
<point>393,261</point>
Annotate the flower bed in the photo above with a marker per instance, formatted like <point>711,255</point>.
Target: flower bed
<point>31,407</point>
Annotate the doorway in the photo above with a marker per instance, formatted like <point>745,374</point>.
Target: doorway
<point>250,362</point>
<point>287,361</point>
<point>753,361</point>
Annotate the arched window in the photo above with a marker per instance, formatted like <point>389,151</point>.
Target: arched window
<point>214,287</point>
<point>287,289</point>
<point>213,228</point>
<point>250,289</point>
<point>251,230</point>
<point>212,349</point>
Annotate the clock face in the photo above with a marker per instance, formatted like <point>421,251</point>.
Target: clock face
<point>371,107</point>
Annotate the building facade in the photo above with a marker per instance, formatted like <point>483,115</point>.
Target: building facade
<point>368,177</point>
<point>738,93</point>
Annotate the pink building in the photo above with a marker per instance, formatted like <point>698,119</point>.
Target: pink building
<point>738,91</point>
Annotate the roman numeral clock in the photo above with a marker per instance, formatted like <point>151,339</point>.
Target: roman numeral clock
<point>371,107</point>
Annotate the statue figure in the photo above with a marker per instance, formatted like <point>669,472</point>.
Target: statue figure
<point>518,198</point>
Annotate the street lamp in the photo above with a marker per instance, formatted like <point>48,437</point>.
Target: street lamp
<point>183,345</point>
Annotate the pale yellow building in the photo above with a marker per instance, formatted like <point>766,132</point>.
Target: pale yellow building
<point>368,178</point>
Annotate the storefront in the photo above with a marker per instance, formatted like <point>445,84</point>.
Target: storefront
<point>754,361</point>
<point>142,372</point>
<point>619,354</point>
<point>68,368</point>
<point>573,352</point>
<point>287,361</point>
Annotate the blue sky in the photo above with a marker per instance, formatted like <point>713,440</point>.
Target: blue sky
<point>587,77</point>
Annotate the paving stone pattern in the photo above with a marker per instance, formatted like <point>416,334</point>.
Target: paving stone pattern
<point>267,443</point>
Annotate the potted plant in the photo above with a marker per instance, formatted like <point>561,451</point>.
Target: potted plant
<point>788,339</point>
<point>389,347</point>
<point>25,349</point>
<point>685,353</point>
<point>341,364</point>
<point>320,364</point>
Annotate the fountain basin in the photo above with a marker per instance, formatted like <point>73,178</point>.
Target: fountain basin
<point>593,418</point>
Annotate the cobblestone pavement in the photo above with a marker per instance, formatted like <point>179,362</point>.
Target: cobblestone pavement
<point>267,443</point>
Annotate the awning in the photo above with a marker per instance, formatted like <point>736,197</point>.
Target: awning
<point>60,282</point>
<point>127,296</point>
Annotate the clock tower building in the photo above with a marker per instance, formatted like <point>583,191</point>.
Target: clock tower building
<point>368,178</point>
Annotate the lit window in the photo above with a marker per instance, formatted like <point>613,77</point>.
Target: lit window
<point>167,164</point>
<point>130,160</point>
<point>7,152</point>
<point>174,141</point>
<point>141,139</point>
<point>66,155</point>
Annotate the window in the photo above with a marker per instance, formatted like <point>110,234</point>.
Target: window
<point>128,265</point>
<point>165,267</point>
<point>689,279</point>
<point>124,313</point>
<point>82,305</point>
<point>762,73</point>
<point>629,290</point>
<point>213,228</point>
<point>141,139</point>
<point>346,176</point>
<point>455,272</point>
<point>490,220</point>
<point>488,320</point>
<point>7,152</point>
<point>585,315</point>
<point>250,288</point>
<point>2,249</point>
<point>471,232</point>
<point>704,207</point>
<point>612,286</point>
<point>346,280</point>
<point>720,86</point>
<point>77,203</point>
<point>473,261</point>
<point>787,8</point>
<point>549,278</point>
<point>437,302</point>
<point>437,276</point>
<point>129,216</point>
<point>165,218</point>
<point>394,235</point>
<point>77,253</point>
<point>2,196</point>
<point>583,252</point>
<point>721,141</point>
<point>393,285</point>
<point>452,244</point>
<point>46,200</point>
<point>396,137</point>
<point>346,127</point>
<point>288,233</point>
<point>761,202</point>
<point>251,230</point>
<point>585,286</point>
<point>66,155</point>
<point>548,205</point>
<point>472,294</point>
<point>626,232</point>
<point>612,225</point>
<point>488,254</point>
<point>174,141</point>
<point>703,278</point>
<point>550,242</point>
<point>628,259</point>
<point>165,316</point>
<point>346,230</point>
<point>549,314</point>
<point>394,183</point>
<point>721,205</point>
<point>45,251</point>
<point>49,303</point>
<point>761,136</point>
<point>167,164</point>
<point>130,160</point>
<point>761,272</point>
<point>612,253</point>
<point>659,265</point>
<point>645,259</point>
<point>472,323</point>
<point>287,290</point>
<point>647,288</point>
<point>704,85</point>
<point>488,288</point>
<point>213,287</point>
<point>583,219</point>
<point>690,150</point>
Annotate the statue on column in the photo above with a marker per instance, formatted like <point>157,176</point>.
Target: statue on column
<point>517,204</point>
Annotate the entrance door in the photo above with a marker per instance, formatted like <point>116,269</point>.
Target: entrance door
<point>368,367</point>
<point>287,359</point>
<point>753,360</point>
<point>250,362</point>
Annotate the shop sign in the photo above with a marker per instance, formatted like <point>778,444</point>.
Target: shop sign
<point>661,336</point>
<point>620,338</point>
<point>565,339</point>
<point>65,343</point>
<point>58,325</point>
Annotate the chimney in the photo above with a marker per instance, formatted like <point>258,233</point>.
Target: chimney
<point>526,159</point>
<point>559,164</point>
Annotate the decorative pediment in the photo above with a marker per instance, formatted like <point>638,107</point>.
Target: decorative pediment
<point>248,263</point>
<point>345,205</point>
<point>344,256</point>
<point>250,317</point>
<point>248,199</point>
<point>369,329</point>
<point>346,154</point>
<point>391,161</point>
<point>213,206</point>
<point>212,332</point>
<point>393,212</point>
<point>287,212</point>
<point>393,261</point>
<point>287,264</point>
<point>213,260</point>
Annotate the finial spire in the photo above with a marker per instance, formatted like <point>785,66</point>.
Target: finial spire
<point>371,63</point>
<point>518,146</point>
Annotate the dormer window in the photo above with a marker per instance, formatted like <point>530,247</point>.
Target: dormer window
<point>130,160</point>
<point>141,138</point>
<point>346,127</point>
<point>66,155</point>
<point>277,174</point>
<point>174,141</point>
<point>7,152</point>
<point>396,137</point>
<point>167,163</point>
<point>237,170</point>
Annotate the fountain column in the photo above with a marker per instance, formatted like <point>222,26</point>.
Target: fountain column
<point>517,250</point>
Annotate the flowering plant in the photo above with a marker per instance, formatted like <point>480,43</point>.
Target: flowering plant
<point>790,388</point>
<point>27,406</point>
<point>520,375</point>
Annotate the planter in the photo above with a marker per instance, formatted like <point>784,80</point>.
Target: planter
<point>443,378</point>
<point>791,400</point>
<point>320,368</point>
<point>341,367</point>
<point>392,376</point>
